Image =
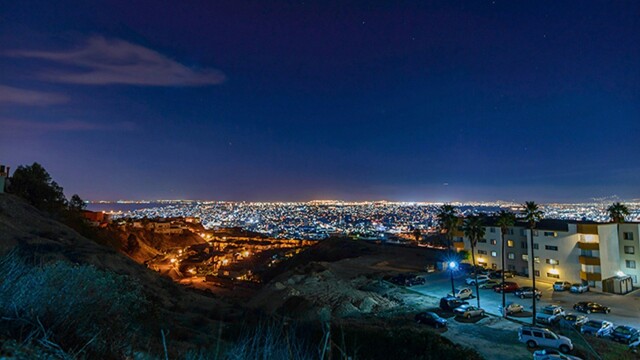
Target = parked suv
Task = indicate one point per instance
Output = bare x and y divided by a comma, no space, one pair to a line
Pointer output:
527,292
579,288
550,314
599,328
625,334
561,285
464,293
534,336
449,303
472,280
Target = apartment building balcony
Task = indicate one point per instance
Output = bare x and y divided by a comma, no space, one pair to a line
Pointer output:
590,276
589,260
588,245
588,229
458,245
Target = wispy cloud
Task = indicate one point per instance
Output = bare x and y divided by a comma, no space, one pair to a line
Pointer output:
66,125
104,61
13,95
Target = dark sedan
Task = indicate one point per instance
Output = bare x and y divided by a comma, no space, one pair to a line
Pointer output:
625,334
591,307
430,318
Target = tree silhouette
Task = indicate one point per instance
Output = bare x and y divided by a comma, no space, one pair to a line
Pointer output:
474,230
34,184
532,215
505,219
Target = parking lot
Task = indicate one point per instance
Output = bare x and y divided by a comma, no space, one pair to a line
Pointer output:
625,309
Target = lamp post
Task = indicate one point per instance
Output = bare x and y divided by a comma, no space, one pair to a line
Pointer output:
452,265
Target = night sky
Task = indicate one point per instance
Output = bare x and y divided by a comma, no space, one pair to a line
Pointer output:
285,100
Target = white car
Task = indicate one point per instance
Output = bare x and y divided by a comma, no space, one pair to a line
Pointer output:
468,311
514,308
534,336
464,293
481,279
550,314
548,354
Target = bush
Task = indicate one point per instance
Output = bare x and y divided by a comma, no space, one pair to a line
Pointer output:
77,308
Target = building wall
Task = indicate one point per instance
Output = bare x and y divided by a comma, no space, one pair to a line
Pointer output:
609,250
633,231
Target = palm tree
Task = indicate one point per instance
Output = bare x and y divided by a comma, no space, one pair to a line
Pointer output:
617,212
505,219
448,221
474,230
532,214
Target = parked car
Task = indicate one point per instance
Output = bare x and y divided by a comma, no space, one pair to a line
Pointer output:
571,320
449,303
579,288
535,336
514,308
464,293
408,280
472,281
561,285
550,314
489,284
468,311
430,318
591,307
508,286
415,280
625,334
549,354
599,328
527,292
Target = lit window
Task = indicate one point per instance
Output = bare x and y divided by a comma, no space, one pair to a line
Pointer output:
536,259
551,233
555,276
510,243
511,256
552,262
494,253
494,242
525,257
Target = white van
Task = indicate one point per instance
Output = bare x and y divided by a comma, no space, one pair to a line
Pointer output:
534,336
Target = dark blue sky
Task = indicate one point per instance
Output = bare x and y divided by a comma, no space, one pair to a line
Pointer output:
284,100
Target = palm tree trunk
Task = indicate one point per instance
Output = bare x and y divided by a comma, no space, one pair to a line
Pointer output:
533,279
475,272
504,313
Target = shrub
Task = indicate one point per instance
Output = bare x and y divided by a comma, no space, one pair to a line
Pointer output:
83,310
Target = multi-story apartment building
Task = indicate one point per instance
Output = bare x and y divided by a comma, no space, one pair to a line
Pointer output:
574,251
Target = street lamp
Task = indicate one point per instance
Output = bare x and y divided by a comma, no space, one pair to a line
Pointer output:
452,265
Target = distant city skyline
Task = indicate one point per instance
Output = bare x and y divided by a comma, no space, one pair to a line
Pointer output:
294,101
